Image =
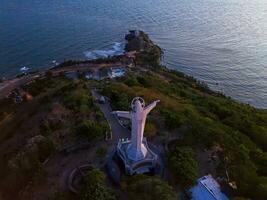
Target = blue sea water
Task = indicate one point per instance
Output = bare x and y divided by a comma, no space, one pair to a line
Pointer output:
221,42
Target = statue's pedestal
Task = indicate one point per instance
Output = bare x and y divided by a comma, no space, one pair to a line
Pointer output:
144,165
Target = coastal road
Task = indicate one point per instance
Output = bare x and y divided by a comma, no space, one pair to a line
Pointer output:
9,85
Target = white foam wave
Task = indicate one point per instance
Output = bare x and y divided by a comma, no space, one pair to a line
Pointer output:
24,69
116,49
55,62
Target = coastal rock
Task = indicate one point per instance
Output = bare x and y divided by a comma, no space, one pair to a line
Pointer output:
139,41
148,53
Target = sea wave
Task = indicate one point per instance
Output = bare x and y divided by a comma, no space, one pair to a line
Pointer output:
24,69
116,49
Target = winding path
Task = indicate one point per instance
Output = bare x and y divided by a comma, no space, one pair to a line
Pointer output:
117,130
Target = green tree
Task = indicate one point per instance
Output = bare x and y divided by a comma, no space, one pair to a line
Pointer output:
172,120
184,166
147,188
95,187
131,81
79,100
92,129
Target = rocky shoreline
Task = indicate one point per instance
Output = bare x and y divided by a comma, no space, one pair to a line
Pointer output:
138,43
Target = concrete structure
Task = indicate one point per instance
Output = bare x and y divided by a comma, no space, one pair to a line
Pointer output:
135,153
115,72
207,188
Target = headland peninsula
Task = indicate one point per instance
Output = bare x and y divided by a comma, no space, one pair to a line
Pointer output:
58,132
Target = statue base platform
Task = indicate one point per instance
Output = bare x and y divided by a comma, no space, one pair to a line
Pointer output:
145,165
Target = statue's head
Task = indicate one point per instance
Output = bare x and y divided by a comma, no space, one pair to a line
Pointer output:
138,104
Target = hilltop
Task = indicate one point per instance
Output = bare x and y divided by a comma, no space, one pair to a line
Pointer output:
60,124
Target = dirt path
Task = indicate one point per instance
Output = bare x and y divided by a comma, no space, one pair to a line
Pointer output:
60,166
57,171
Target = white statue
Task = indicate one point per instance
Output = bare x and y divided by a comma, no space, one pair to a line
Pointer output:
136,150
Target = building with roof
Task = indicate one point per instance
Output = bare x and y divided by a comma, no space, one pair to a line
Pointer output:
115,72
207,188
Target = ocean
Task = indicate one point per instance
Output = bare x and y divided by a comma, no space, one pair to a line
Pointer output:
220,42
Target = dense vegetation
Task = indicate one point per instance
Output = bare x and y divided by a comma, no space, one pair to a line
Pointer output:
146,187
61,113
95,187
184,166
204,119
69,63
92,129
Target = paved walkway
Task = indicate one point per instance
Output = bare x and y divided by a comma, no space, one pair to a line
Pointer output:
117,130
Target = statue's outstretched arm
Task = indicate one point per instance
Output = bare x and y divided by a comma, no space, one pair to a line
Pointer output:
148,108
124,114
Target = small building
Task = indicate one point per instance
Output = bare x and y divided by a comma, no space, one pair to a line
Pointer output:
72,75
116,72
207,188
89,76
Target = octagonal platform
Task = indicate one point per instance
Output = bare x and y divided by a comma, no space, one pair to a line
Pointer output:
144,165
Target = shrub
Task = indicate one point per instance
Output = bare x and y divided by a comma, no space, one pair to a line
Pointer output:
150,129
172,120
48,126
92,129
147,187
119,100
79,99
131,81
260,159
143,81
101,152
95,187
184,166
99,115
